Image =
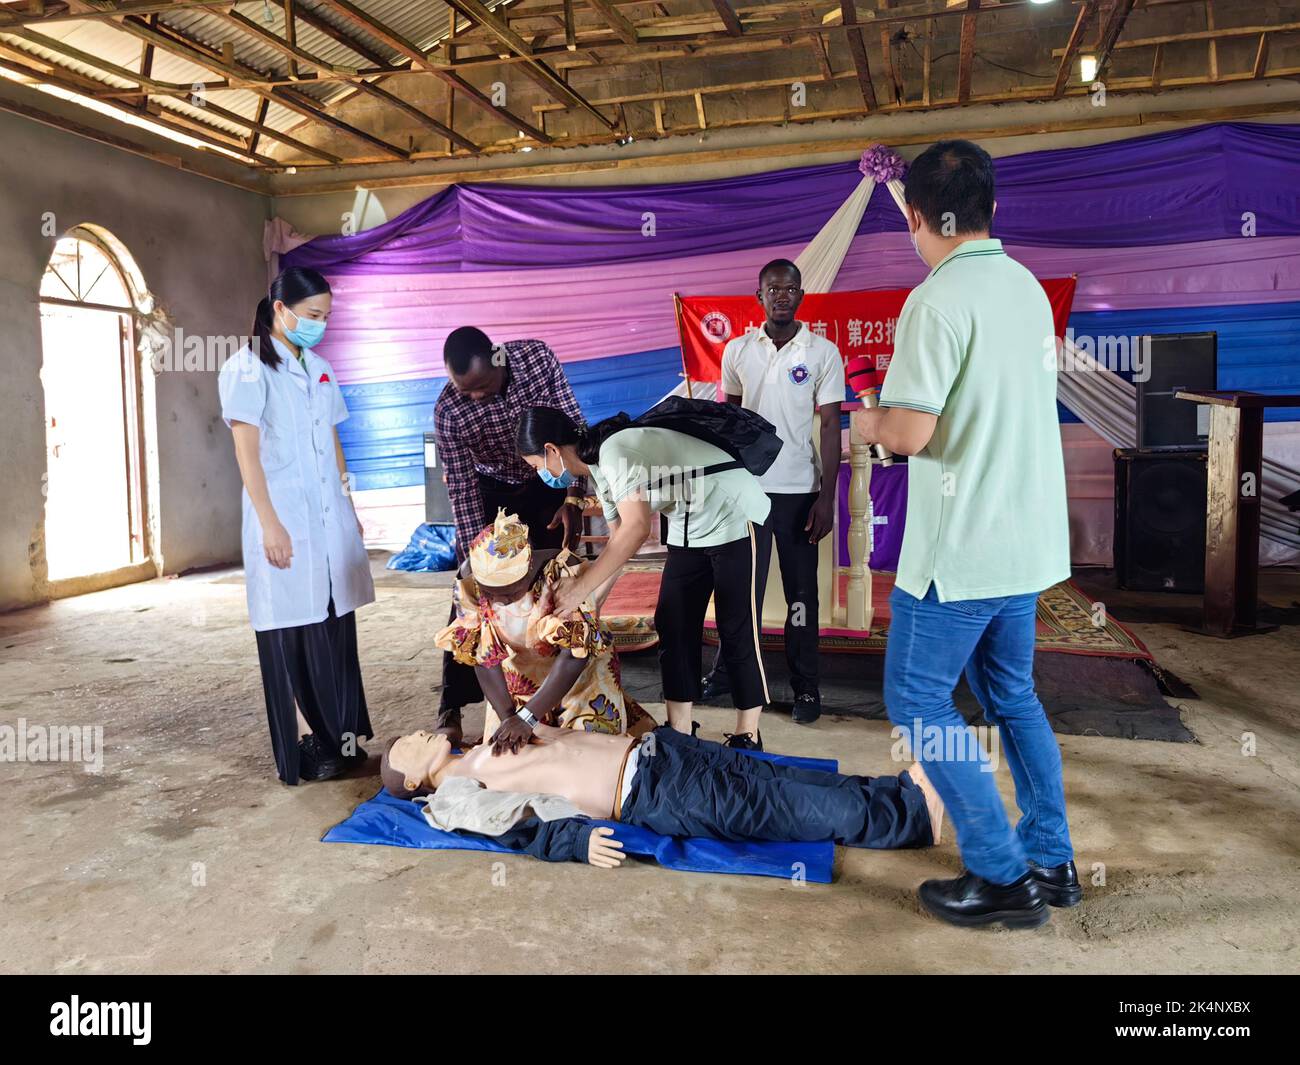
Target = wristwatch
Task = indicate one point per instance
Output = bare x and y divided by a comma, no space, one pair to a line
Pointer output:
527,717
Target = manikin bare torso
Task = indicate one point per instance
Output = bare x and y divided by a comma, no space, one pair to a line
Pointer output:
584,767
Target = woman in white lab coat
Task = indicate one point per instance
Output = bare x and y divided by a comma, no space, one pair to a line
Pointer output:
305,564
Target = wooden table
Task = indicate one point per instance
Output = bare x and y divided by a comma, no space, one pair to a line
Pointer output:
1233,508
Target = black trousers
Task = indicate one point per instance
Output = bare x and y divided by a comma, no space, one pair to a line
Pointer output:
691,576
797,559
316,668
686,786
536,505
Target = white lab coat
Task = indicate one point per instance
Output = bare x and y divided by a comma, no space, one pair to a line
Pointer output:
295,411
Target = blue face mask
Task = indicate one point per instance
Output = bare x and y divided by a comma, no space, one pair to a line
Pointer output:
308,333
564,480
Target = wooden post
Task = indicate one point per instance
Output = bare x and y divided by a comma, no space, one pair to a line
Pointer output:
858,593
1233,498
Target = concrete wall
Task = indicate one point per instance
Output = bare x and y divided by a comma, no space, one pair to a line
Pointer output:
198,244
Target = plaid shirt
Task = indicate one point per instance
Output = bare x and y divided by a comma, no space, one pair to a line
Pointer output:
478,436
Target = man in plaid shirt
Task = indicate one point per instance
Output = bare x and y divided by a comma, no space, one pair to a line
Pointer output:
488,389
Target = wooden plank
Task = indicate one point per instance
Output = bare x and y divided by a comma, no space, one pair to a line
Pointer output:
290,36
1158,66
699,111
925,60
858,49
1214,44
346,39
570,40
1261,57
966,51
624,30
1110,32
729,17
1081,23
409,109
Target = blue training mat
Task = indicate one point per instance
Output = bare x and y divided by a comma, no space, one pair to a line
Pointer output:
400,823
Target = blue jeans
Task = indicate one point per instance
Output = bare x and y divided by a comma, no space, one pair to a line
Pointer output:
930,644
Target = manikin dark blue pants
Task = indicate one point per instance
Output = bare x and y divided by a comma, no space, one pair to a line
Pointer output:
691,787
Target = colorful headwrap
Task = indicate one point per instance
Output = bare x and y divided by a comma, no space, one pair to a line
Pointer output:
501,554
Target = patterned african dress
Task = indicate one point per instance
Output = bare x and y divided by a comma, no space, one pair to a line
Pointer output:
524,637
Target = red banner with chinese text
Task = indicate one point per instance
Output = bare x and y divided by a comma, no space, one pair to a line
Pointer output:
858,323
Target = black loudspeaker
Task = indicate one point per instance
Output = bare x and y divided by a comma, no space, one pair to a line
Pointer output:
437,505
1160,520
1174,362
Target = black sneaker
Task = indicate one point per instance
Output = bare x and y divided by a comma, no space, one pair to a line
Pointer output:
316,761
743,741
970,901
1058,885
716,685
807,708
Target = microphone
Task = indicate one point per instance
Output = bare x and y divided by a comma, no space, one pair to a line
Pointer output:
861,374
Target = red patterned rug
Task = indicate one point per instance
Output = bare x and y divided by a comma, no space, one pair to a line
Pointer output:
1068,621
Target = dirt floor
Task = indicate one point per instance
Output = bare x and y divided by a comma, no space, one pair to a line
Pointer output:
184,854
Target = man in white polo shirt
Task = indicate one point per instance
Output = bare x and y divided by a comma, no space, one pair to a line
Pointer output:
969,397
786,372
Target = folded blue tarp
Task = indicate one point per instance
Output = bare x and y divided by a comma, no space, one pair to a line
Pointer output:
400,823
432,548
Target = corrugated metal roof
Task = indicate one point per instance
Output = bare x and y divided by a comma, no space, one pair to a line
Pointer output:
423,22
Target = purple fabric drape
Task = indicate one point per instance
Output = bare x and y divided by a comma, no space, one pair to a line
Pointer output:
1197,184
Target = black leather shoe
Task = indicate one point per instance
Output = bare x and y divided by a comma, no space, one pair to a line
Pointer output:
743,741
1058,885
715,686
807,709
316,761
970,901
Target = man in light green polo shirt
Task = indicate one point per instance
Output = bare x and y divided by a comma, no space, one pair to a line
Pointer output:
971,399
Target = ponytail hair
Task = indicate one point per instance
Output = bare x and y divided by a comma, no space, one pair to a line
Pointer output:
294,285
540,426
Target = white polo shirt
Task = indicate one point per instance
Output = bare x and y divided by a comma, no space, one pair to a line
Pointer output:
786,386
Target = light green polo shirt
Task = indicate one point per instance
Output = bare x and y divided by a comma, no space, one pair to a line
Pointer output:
710,510
986,513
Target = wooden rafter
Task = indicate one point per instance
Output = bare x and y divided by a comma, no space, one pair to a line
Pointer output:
858,49
1081,23
966,50
625,30
729,17
534,68
422,61
1110,31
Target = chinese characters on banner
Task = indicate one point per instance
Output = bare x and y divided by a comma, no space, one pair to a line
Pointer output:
858,323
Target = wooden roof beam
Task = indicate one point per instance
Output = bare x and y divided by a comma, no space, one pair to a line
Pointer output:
858,49
420,61
625,31
966,51
1081,24
729,17
534,68
1110,31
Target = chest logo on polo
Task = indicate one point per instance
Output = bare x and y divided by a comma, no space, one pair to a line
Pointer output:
798,374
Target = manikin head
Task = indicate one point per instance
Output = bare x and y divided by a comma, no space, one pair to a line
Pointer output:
412,765
475,366
948,198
